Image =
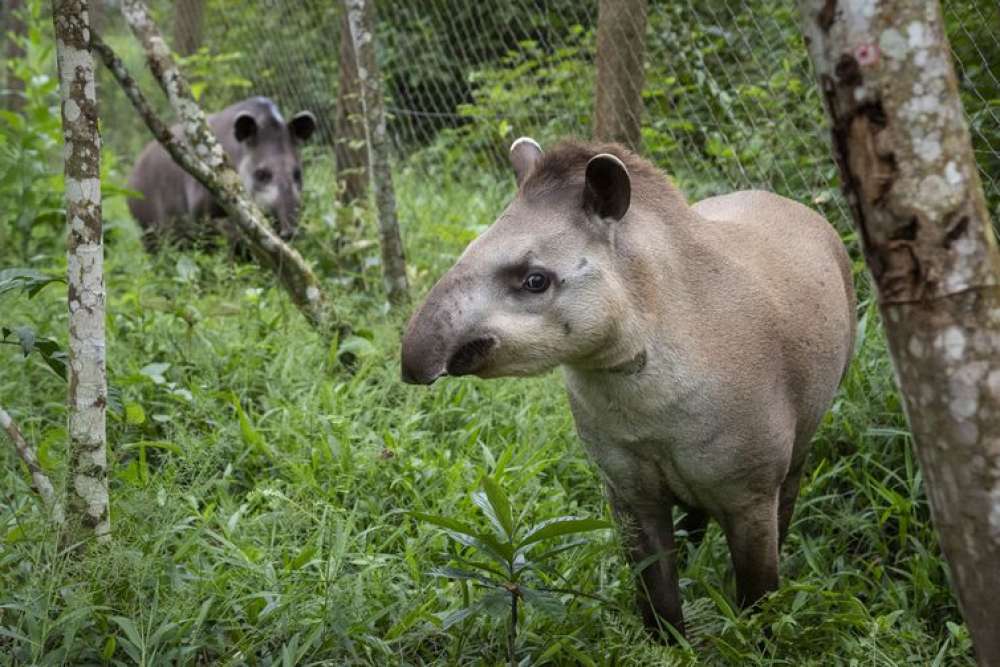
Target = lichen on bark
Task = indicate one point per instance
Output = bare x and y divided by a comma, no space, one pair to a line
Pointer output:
88,468
909,173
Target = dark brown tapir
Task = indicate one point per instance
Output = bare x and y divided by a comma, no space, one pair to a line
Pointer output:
263,148
701,345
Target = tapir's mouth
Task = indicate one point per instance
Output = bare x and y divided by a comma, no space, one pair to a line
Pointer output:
470,357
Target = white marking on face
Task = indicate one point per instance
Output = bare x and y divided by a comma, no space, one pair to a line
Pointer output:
267,197
275,114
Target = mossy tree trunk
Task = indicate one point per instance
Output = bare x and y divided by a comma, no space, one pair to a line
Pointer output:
349,127
909,173
361,20
621,36
88,387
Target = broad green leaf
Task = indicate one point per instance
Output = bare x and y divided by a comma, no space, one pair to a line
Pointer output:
460,615
448,523
561,526
110,644
497,603
486,545
455,573
166,445
134,414
155,372
29,280
501,505
26,335
545,602
408,621
56,359
480,500
128,626
539,561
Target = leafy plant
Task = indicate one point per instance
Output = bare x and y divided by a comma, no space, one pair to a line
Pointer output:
505,560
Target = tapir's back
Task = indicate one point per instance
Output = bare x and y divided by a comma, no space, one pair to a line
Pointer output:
796,267
785,244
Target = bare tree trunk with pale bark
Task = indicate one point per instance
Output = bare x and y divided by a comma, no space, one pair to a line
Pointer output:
909,174
348,125
361,19
621,37
88,387
202,156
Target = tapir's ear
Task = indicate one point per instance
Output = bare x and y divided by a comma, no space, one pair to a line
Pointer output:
302,125
244,127
524,154
607,190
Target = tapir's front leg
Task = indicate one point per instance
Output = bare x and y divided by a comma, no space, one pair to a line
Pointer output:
648,534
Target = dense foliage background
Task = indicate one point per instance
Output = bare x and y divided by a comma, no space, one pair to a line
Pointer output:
262,489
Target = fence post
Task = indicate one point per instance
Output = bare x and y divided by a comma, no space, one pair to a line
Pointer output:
13,24
348,125
188,20
361,17
621,37
909,174
88,385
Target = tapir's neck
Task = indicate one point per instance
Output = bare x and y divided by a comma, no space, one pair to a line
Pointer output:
651,253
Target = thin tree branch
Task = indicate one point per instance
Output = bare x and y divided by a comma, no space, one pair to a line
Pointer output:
40,481
202,157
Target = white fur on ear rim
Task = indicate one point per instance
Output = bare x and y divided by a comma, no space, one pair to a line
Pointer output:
607,187
524,153
521,140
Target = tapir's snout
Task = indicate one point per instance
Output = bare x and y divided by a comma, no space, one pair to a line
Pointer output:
444,337
425,344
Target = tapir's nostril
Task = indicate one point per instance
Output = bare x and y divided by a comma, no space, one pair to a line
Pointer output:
471,356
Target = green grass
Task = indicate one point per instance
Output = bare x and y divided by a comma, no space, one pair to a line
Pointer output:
261,494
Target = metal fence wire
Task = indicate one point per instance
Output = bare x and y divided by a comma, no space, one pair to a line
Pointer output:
728,97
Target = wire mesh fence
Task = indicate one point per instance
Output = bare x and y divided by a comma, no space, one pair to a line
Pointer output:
727,96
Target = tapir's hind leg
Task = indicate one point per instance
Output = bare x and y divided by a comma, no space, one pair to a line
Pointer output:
752,535
786,501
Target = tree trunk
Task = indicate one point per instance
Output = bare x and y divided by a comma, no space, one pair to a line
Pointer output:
349,127
203,157
88,389
621,37
361,17
13,98
909,174
188,21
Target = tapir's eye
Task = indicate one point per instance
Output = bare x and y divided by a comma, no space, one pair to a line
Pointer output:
536,282
262,176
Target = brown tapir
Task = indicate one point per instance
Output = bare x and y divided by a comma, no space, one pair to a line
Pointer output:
263,149
701,345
